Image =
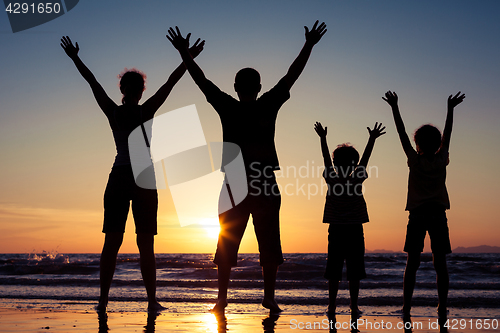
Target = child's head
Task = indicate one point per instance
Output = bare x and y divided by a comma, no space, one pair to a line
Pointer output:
132,84
428,139
247,82
345,158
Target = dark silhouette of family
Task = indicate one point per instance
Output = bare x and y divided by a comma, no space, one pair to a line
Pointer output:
249,122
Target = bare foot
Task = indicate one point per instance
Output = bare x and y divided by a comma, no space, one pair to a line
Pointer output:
405,312
155,307
330,311
442,315
219,307
101,307
356,312
271,305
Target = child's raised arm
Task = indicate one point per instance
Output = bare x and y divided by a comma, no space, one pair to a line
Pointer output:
392,99
452,102
155,101
377,131
324,145
105,103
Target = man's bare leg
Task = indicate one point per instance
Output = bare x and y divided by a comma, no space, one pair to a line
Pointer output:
223,274
269,273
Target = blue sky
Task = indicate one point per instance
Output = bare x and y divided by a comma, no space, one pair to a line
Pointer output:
57,148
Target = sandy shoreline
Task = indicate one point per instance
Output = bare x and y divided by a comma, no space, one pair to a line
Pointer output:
45,320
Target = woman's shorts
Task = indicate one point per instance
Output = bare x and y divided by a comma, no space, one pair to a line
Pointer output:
120,190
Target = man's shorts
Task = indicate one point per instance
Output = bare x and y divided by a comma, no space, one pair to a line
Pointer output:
264,205
120,190
430,220
346,242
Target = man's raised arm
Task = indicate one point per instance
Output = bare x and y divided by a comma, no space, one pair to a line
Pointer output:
296,68
182,45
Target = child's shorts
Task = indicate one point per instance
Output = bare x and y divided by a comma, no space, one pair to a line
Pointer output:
120,190
346,242
430,220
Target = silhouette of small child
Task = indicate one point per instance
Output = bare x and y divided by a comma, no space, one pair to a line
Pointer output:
427,199
345,211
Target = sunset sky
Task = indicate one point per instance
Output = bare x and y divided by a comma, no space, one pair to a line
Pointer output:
57,150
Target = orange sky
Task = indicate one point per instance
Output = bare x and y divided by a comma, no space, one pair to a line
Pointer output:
57,148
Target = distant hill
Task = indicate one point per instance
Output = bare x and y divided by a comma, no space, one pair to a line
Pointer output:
460,249
477,249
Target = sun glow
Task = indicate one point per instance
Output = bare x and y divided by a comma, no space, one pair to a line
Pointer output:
211,227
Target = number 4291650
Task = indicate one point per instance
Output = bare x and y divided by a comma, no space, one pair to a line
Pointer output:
41,8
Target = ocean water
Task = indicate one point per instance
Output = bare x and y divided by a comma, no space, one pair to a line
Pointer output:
188,282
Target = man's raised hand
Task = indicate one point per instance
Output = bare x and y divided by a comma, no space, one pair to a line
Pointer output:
316,32
175,37
68,47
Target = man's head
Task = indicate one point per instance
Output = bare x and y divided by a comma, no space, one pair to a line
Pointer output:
247,84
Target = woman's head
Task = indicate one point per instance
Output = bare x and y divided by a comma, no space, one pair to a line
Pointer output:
132,84
428,139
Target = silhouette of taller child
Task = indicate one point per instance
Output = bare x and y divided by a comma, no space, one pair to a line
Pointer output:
250,123
427,199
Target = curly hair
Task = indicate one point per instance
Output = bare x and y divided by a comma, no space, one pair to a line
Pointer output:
132,82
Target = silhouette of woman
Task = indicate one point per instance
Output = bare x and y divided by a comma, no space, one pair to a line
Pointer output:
121,187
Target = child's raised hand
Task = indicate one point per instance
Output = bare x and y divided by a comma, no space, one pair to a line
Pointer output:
455,100
68,47
377,130
320,130
391,98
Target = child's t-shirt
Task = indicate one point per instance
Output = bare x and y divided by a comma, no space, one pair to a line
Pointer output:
345,203
427,181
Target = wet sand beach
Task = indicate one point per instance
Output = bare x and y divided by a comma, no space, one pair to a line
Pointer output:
46,320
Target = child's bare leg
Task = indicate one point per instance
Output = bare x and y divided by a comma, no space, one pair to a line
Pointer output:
412,264
112,243
269,273
354,292
442,280
333,289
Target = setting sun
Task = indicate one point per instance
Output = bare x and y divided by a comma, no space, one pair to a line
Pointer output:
211,227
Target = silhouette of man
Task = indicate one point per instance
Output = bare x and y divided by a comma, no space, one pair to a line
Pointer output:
250,123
